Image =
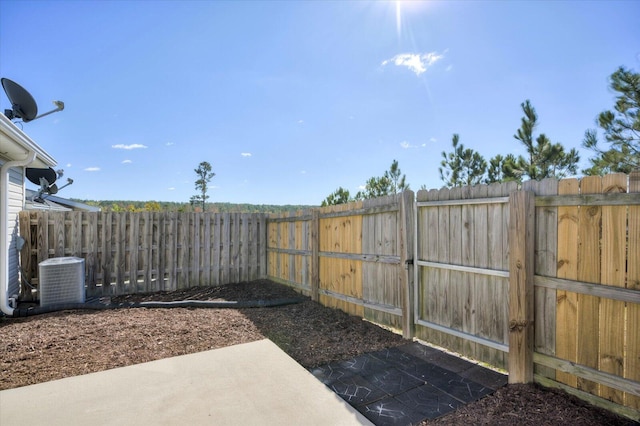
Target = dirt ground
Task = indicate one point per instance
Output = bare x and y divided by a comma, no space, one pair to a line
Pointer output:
68,343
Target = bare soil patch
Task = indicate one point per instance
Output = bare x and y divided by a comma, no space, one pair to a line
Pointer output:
69,343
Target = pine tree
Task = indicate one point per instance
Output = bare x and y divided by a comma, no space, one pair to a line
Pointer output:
621,128
202,184
461,167
545,158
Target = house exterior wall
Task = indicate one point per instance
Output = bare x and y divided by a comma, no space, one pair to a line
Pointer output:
16,200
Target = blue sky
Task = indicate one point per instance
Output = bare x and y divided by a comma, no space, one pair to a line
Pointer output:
290,100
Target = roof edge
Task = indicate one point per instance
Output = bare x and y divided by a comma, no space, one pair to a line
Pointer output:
20,138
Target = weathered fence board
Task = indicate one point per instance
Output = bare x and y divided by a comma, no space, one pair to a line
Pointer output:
632,363
545,264
566,314
589,271
613,252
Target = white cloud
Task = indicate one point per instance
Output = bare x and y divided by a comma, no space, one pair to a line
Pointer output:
449,68
171,188
245,154
407,145
303,172
92,169
300,121
169,144
131,146
416,62
68,165
127,161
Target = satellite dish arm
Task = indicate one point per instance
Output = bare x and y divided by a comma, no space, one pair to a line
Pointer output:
59,107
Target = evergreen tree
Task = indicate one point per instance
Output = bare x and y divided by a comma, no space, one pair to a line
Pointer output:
621,128
462,166
205,175
497,171
545,159
339,196
398,180
391,182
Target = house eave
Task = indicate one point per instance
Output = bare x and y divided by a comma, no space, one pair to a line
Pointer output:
16,145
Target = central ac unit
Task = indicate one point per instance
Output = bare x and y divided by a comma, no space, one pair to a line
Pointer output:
61,281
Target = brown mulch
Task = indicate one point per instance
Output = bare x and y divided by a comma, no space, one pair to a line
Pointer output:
68,343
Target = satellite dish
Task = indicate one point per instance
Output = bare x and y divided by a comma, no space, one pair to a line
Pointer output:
22,103
34,175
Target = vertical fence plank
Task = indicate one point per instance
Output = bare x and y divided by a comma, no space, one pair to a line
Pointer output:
315,252
521,270
632,338
225,252
184,220
119,255
107,254
160,236
545,264
443,298
147,250
567,301
482,284
497,236
75,234
589,271
468,280
172,252
407,260
134,251
58,235
456,278
196,249
91,259
217,244
612,312
206,249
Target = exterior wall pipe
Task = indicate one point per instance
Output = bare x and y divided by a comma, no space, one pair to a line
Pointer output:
4,220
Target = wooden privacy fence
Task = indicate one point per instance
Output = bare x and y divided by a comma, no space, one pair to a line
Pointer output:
144,252
542,280
352,256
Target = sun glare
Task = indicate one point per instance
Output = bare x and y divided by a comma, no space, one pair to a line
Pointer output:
406,7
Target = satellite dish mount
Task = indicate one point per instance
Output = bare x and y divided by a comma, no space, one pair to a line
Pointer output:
23,105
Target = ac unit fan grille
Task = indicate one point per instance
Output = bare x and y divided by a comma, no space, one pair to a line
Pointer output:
61,281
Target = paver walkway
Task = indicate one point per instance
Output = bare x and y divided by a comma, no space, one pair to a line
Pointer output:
407,384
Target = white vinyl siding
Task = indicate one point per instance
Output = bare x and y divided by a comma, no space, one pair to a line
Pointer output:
16,201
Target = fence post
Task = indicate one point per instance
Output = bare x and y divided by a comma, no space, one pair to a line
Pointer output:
521,295
315,252
407,230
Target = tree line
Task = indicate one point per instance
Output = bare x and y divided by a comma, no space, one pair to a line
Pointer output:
619,152
118,206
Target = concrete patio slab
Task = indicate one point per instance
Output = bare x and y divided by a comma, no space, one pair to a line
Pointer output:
252,383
